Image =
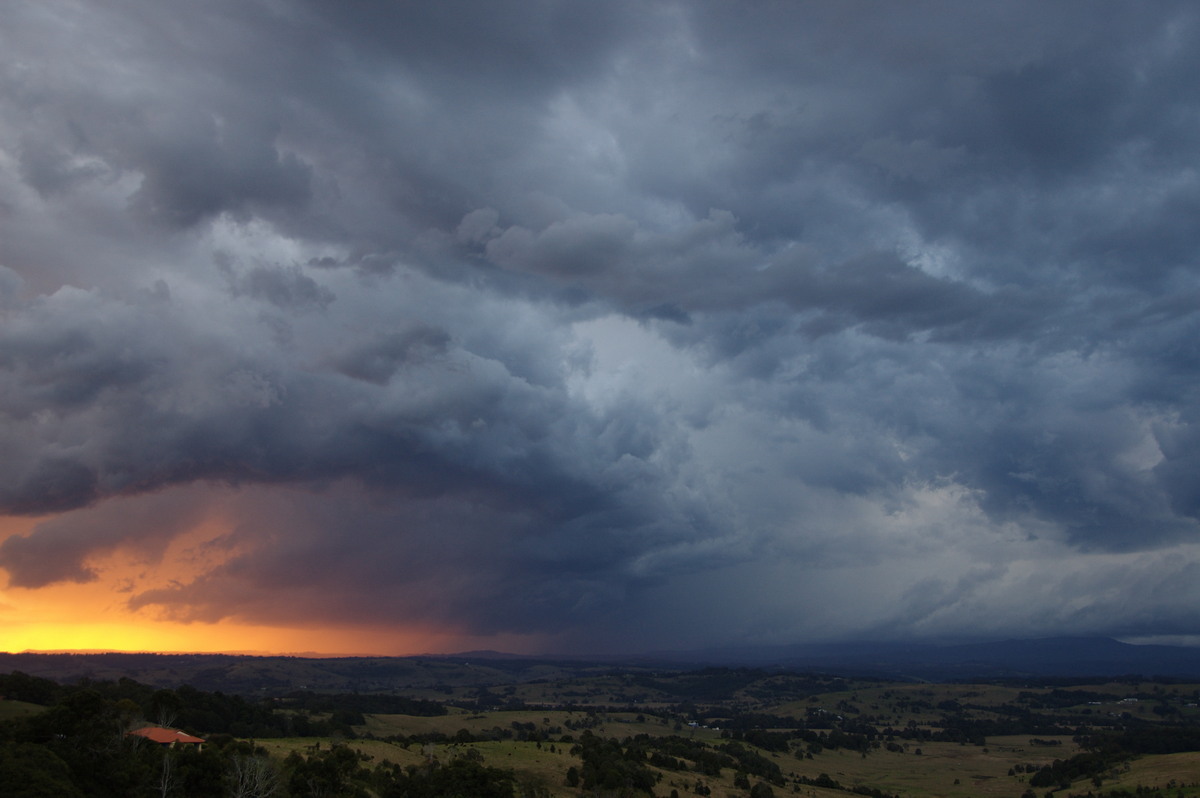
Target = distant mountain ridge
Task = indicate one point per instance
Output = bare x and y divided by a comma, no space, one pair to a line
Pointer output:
1052,656
1056,657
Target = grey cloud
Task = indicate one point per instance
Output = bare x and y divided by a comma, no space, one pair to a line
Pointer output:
378,360
11,285
612,299
486,566
421,418
437,558
282,287
917,160
47,167
580,245
1177,470
478,226
53,484
70,361
197,145
482,47
192,171
711,266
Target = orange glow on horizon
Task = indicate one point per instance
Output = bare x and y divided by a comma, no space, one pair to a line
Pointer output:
88,617
95,616
225,637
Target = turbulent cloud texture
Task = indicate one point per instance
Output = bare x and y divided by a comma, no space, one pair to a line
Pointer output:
615,325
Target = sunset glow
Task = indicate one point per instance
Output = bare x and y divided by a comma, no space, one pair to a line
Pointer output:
95,616
139,635
92,617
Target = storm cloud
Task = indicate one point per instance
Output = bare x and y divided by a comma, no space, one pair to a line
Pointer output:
614,325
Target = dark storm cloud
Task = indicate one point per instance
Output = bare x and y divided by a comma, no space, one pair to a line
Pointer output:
407,413
282,287
569,307
711,266
61,548
438,560
483,47
195,172
199,145
377,361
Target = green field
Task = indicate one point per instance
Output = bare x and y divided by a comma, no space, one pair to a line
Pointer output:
715,732
1002,766
948,770
16,709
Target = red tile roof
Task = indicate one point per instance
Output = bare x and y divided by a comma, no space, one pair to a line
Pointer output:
158,734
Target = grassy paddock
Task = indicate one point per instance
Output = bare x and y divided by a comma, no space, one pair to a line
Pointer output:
981,771
18,709
1160,771
616,724
942,769
378,750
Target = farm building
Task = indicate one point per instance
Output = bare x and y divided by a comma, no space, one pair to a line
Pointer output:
167,737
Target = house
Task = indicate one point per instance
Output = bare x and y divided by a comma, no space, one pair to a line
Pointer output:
168,738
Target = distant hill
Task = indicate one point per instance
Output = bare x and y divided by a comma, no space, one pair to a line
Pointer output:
431,676
1046,657
438,676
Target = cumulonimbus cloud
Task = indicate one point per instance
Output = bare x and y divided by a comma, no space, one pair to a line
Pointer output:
578,308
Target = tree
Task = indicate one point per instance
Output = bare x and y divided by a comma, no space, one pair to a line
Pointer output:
33,771
199,774
252,777
165,783
762,790
327,773
459,779
164,707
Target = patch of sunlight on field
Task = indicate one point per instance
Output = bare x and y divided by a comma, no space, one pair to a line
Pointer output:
1159,771
378,750
523,757
979,771
545,722
1022,750
18,709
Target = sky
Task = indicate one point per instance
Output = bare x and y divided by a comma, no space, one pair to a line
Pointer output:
564,327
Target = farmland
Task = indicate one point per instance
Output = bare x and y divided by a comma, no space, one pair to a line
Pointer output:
545,730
